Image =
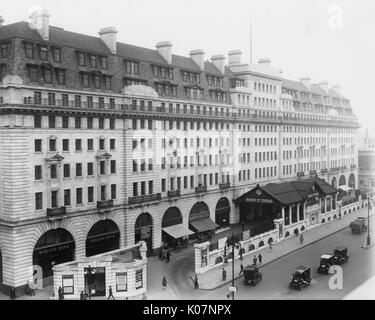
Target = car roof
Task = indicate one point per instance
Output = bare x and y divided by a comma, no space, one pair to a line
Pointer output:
301,269
340,248
326,256
249,267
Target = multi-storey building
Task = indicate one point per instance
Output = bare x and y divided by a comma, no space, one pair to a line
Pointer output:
104,144
366,164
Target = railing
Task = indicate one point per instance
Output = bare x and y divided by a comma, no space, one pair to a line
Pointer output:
53,212
147,198
300,174
324,171
343,168
201,189
223,186
104,204
175,193
353,166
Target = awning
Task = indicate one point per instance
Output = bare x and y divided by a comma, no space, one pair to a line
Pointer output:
345,188
204,224
178,231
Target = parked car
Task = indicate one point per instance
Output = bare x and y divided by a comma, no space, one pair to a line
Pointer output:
252,275
340,255
300,278
326,261
358,226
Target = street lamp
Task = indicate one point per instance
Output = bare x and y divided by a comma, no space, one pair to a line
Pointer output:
90,272
368,220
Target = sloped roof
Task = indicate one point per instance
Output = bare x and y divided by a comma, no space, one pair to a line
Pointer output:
294,85
283,192
317,90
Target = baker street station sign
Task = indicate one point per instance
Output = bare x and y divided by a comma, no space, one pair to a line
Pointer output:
258,198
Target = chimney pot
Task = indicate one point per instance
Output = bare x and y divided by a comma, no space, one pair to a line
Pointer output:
165,50
234,57
219,62
264,61
39,20
198,57
108,36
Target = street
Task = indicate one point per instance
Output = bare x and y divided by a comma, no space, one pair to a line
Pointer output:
277,275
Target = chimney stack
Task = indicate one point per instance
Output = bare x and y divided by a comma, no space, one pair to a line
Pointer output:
264,61
219,62
1,21
234,57
39,20
323,85
198,57
306,81
337,88
108,36
165,50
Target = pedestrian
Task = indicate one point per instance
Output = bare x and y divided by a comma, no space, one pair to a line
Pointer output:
260,258
82,296
241,253
301,239
255,260
196,284
144,297
12,294
161,253
110,293
224,274
164,282
61,293
270,245
241,268
168,255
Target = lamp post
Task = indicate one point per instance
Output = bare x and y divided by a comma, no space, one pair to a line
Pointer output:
232,265
368,220
89,278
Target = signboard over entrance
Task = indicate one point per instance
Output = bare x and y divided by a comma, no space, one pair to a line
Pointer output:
256,200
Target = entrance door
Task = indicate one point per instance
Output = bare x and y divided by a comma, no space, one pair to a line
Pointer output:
143,231
95,282
222,212
104,236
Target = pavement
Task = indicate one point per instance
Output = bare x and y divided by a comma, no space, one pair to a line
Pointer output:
179,271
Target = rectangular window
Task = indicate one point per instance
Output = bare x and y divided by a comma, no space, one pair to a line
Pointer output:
65,100
135,189
33,74
113,192
121,282
52,145
56,54
103,193
90,144
53,171
47,75
101,144
51,99
51,122
101,123
112,124
102,167
77,100
78,169
78,144
29,50
66,170
85,80
150,187
113,166
38,172
38,145
67,197
77,122
143,188
38,200
4,50
90,194
90,169
112,144
79,196
104,62
37,121
89,123
65,144
54,199
108,82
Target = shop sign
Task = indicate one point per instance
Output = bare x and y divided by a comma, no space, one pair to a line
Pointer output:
256,200
56,248
204,258
103,237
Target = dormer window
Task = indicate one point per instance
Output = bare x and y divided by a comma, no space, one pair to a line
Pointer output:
81,59
214,81
43,53
93,61
104,62
162,72
47,75
131,67
191,77
4,50
56,52
29,50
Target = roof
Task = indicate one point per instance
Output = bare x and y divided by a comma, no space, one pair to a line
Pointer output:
288,193
62,37
294,85
178,231
301,269
326,256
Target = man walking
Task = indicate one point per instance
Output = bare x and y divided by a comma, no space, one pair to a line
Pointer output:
110,293
167,256
270,245
224,275
196,285
60,293
241,268
260,258
255,260
301,239
164,282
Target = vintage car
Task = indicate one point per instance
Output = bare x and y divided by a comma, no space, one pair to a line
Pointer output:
300,278
358,226
326,261
340,255
252,275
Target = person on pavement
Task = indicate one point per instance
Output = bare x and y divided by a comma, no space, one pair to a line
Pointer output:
224,275
110,293
167,256
196,284
301,239
241,268
164,282
260,258
61,294
255,260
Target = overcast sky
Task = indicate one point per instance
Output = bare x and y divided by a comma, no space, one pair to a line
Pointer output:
331,40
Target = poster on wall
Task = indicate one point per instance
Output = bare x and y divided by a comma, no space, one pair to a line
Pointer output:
204,258
246,235
222,242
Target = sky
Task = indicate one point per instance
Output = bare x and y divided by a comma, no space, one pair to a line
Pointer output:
327,40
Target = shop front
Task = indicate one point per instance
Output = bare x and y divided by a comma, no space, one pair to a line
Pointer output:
222,212
175,234
124,270
54,247
143,231
199,220
104,236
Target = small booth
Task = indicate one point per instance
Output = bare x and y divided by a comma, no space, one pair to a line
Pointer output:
123,269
